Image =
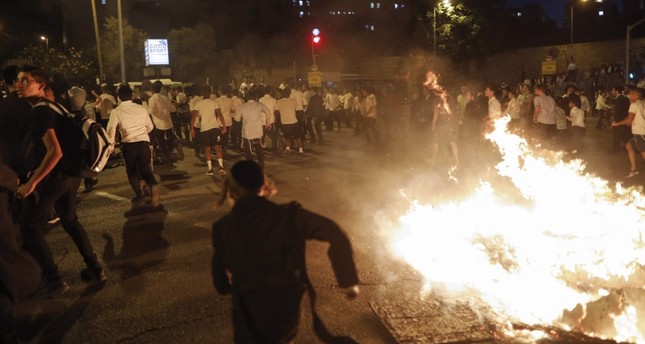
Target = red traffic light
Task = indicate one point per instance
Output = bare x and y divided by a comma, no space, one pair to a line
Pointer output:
316,39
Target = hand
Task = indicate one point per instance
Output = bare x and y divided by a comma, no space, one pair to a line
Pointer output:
352,292
613,124
192,132
25,190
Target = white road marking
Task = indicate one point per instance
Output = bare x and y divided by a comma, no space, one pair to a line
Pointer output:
110,196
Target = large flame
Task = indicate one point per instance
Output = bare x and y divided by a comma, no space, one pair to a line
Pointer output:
575,240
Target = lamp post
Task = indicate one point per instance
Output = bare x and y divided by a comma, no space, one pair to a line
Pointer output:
434,25
43,38
571,18
627,37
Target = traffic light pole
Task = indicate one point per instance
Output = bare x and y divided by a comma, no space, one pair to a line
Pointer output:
313,54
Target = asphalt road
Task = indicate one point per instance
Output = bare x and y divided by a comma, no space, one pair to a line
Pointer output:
158,261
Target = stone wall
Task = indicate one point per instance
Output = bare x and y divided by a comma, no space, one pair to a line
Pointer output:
508,66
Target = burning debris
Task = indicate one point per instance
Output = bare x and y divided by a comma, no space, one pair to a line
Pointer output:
567,267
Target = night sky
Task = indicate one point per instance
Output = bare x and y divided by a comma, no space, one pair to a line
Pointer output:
553,8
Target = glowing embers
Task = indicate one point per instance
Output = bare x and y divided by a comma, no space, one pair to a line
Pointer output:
570,256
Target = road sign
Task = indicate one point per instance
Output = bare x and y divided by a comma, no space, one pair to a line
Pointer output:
314,79
548,67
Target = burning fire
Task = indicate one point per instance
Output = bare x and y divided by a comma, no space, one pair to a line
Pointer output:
570,256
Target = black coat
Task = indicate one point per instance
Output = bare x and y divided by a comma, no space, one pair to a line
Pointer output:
19,272
261,245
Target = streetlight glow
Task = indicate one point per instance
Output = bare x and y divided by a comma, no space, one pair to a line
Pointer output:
43,38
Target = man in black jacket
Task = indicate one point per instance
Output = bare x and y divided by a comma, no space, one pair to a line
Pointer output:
260,257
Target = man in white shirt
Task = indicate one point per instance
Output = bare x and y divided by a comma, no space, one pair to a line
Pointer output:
635,117
348,103
254,117
370,114
236,128
494,106
334,107
212,129
544,114
271,129
286,107
160,108
225,103
577,119
194,125
134,125
183,114
298,95
104,104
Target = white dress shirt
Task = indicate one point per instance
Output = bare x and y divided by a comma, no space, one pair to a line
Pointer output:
225,104
300,99
133,123
253,116
268,101
160,109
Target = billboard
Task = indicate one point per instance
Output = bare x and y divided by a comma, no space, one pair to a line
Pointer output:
157,52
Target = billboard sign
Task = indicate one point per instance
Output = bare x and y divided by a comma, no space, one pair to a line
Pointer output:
157,52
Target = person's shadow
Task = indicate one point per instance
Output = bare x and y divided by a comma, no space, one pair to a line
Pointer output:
143,247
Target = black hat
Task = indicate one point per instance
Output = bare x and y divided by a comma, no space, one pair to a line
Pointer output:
248,174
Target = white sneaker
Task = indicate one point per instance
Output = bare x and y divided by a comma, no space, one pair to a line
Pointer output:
209,173
300,150
632,174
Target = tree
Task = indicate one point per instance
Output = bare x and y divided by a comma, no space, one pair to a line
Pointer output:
192,52
461,31
134,50
73,64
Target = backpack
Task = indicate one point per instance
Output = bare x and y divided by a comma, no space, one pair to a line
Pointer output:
96,147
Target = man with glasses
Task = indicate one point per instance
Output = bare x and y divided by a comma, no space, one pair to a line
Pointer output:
55,165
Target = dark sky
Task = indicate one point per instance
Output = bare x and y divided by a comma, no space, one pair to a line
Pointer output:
553,8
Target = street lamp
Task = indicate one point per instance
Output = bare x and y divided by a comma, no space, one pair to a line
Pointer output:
446,3
43,38
571,18
629,31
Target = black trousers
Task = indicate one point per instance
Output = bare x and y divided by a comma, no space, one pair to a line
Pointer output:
58,192
300,116
318,126
138,164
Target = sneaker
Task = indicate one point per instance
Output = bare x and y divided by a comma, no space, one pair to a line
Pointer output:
222,171
632,174
95,274
209,173
300,150
180,152
155,200
54,220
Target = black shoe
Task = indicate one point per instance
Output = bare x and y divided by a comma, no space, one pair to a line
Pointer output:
94,274
90,183
54,289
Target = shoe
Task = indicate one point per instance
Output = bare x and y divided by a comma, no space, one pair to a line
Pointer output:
90,183
632,174
222,172
138,202
209,173
180,152
300,150
287,150
155,200
51,289
96,274
54,220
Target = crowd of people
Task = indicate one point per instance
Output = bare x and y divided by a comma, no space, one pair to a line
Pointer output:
154,123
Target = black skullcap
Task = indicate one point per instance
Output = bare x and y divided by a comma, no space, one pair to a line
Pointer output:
248,174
